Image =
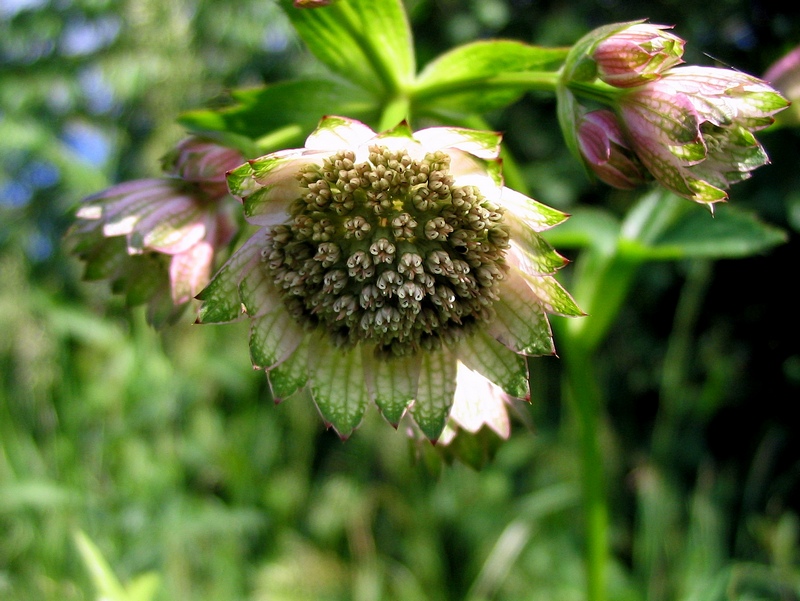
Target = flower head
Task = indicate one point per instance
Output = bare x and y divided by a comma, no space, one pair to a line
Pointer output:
637,54
156,238
381,262
606,150
693,128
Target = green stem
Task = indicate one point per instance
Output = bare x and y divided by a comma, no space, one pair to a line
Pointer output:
586,402
522,81
395,110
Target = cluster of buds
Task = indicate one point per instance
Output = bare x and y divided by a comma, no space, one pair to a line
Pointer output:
156,239
690,128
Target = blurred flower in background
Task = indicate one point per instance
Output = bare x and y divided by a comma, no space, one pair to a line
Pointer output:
156,239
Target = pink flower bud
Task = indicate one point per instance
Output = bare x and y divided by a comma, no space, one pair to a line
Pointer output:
606,151
637,54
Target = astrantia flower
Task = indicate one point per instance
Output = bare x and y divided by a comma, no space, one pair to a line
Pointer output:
637,54
380,263
693,128
606,151
155,239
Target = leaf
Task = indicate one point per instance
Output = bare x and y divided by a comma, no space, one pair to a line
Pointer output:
291,375
730,233
587,226
520,322
221,298
663,226
292,107
105,581
392,384
366,42
453,80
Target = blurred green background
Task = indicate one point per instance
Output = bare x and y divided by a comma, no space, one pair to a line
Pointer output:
168,453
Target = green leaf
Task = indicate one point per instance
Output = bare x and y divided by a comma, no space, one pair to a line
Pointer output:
144,587
520,322
274,336
472,78
663,226
290,376
568,113
221,298
105,581
291,109
587,226
730,233
366,42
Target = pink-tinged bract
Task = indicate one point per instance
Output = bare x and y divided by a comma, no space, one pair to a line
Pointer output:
693,128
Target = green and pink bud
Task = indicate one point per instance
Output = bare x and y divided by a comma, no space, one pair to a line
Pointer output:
607,152
693,128
637,54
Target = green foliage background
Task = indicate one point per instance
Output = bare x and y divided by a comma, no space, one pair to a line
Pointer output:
167,451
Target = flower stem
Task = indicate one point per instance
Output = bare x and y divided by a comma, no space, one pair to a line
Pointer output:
545,81
394,111
585,399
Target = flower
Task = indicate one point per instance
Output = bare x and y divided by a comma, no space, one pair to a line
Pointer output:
606,151
381,262
693,128
156,238
636,54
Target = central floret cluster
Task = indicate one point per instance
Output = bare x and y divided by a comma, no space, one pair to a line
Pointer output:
388,251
